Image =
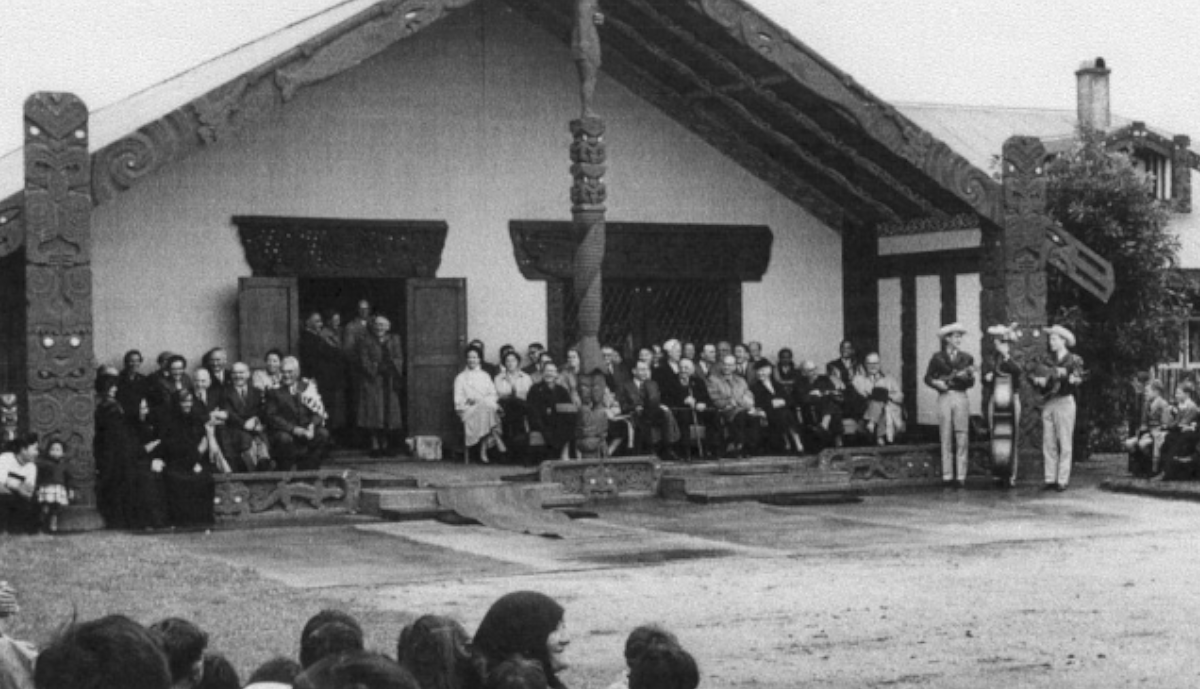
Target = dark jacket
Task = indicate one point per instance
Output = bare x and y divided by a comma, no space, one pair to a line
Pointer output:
285,412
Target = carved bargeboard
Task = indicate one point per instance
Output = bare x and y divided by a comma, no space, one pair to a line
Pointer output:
899,462
58,286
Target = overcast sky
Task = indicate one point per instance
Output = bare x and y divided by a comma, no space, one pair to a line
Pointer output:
978,52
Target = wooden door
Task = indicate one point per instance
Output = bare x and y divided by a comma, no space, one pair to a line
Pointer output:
437,336
268,317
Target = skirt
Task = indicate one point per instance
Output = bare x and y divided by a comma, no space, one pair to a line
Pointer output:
53,494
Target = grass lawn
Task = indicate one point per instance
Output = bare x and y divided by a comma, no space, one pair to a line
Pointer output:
248,618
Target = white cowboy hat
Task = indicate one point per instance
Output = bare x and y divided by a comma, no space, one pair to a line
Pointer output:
1062,332
1003,332
951,328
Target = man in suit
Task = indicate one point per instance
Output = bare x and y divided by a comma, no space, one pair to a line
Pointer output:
535,360
708,364
243,406
735,403
666,374
742,364
691,404
615,372
217,363
297,433
641,400
816,398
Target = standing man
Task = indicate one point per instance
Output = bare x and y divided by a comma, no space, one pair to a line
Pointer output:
952,372
357,328
217,363
741,356
707,365
1058,377
535,358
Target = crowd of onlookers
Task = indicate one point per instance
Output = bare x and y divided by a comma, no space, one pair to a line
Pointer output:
678,400
521,643
1163,434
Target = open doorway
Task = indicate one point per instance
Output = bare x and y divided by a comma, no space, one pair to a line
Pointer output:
387,297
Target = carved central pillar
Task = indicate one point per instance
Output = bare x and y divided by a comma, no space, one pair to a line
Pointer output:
1020,259
58,289
588,192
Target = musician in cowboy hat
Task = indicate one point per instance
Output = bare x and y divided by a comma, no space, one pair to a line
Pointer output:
952,372
1058,378
996,368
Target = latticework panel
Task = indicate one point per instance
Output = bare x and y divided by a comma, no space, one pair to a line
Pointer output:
637,314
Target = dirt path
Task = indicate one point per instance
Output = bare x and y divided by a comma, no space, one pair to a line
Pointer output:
1086,589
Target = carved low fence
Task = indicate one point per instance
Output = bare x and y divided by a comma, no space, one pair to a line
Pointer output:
604,478
900,463
296,493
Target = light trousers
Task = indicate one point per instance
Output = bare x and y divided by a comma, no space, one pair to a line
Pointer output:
1058,430
954,414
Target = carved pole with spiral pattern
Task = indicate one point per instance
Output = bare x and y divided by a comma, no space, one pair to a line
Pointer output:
588,192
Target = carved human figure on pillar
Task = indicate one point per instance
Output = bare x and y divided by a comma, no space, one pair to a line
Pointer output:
585,47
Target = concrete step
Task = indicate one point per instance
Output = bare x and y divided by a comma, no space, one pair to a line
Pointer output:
422,503
374,479
711,487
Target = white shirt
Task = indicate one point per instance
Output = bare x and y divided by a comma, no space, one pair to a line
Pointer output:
9,466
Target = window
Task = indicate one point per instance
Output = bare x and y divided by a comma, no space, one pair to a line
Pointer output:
1158,167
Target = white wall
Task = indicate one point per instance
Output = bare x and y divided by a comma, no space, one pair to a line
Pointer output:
466,122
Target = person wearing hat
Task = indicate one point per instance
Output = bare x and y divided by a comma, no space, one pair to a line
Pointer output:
1058,378
951,372
999,365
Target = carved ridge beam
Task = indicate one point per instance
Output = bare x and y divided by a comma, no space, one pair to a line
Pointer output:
259,92
761,88
715,133
874,116
818,166
951,223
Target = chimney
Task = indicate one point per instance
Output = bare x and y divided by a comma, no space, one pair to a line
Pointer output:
1093,95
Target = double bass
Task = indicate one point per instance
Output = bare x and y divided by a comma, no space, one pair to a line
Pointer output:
1004,426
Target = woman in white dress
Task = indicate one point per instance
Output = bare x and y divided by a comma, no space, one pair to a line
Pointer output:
475,400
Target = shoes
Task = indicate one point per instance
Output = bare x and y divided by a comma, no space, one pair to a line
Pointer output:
1060,487
1050,486
960,484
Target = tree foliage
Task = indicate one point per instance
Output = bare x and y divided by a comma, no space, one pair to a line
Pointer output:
1101,198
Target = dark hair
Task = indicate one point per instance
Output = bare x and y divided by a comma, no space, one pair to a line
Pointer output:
56,441
274,351
328,314
664,667
112,651
476,343
519,623
356,670
473,348
644,638
163,356
206,360
437,651
508,353
315,642
23,441
105,382
184,644
788,350
125,359
219,673
278,669
176,357
517,673
763,363
536,345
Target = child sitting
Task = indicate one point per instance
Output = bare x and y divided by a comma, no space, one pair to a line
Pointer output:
52,493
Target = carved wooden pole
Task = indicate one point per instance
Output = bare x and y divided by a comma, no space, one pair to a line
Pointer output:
588,192
58,289
1023,261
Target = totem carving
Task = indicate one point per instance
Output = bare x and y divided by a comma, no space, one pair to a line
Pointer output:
1025,254
588,192
58,288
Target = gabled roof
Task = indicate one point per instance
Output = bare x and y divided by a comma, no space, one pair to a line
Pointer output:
718,67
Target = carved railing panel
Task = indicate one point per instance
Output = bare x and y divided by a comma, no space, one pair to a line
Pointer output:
600,478
239,496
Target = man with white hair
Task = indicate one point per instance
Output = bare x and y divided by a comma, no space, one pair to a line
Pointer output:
297,433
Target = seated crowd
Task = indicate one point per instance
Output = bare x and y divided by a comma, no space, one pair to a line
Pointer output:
678,399
520,644
1164,437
